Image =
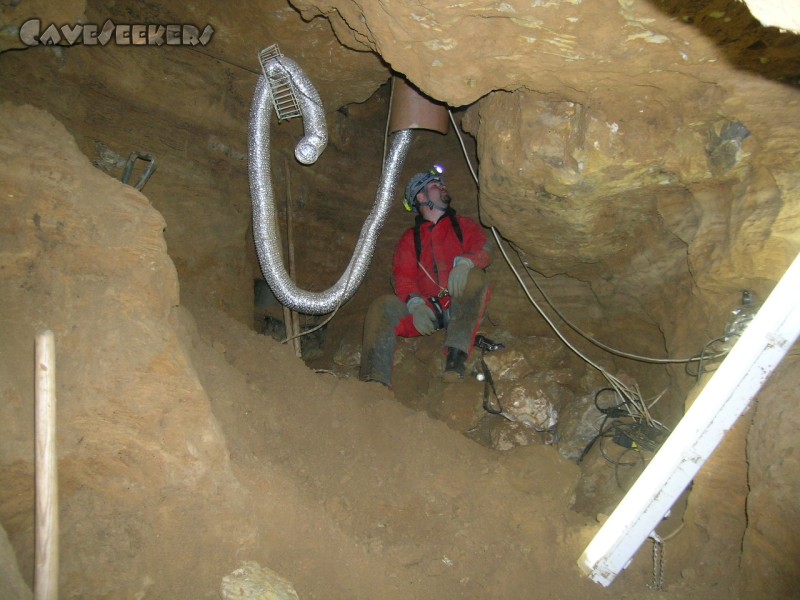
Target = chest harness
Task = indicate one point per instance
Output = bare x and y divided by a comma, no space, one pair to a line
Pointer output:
442,314
449,212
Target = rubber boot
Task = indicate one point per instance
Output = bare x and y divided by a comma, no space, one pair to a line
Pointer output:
379,341
454,366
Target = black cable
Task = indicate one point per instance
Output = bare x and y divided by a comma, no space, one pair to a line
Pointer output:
488,382
623,423
619,464
593,440
612,411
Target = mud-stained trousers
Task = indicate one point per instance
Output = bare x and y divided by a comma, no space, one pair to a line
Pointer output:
388,318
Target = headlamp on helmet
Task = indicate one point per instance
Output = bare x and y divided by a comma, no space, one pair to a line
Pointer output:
417,183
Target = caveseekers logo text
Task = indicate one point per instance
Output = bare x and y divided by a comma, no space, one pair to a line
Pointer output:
31,34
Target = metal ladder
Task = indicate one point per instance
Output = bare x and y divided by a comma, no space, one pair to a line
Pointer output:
282,90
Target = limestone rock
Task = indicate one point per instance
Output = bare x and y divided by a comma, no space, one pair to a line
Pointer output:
506,435
641,156
340,75
348,354
508,365
579,423
84,256
529,405
251,581
465,52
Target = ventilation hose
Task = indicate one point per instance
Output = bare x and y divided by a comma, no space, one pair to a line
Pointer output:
265,221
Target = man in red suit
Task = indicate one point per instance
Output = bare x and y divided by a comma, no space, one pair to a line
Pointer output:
439,283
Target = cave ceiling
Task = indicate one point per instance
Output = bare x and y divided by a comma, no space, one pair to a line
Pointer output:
606,52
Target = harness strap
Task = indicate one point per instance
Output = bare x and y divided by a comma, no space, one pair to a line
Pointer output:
418,234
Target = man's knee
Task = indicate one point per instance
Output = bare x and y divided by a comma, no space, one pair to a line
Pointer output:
466,311
383,315
385,310
477,283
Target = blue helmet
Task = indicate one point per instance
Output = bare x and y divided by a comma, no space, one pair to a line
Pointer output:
417,183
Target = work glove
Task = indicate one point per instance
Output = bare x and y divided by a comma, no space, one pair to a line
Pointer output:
424,319
458,276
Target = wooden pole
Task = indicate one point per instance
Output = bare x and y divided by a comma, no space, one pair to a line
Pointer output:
45,582
294,317
287,322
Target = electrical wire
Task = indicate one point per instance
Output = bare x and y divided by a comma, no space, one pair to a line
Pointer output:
702,365
463,148
626,427
629,394
599,344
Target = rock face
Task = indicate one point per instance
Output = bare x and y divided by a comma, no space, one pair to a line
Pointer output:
15,15
251,581
107,293
459,54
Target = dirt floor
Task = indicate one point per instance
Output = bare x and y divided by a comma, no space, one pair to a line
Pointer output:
423,511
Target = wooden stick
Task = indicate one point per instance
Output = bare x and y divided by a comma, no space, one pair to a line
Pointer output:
287,323
45,582
294,317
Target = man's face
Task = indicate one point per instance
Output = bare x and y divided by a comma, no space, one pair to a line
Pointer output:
436,192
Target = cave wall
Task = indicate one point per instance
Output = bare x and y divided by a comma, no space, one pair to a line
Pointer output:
84,256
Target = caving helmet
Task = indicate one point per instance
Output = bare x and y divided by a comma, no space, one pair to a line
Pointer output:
417,183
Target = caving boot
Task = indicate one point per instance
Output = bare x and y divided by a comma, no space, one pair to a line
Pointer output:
378,343
455,365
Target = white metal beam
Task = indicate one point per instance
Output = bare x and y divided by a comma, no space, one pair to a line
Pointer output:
768,337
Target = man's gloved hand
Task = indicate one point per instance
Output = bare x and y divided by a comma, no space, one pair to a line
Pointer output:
458,276
424,319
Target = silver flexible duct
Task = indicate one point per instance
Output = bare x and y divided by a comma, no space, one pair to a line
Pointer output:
265,221
308,149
